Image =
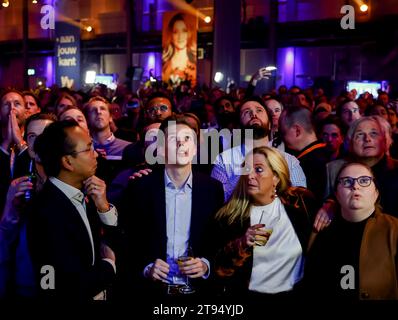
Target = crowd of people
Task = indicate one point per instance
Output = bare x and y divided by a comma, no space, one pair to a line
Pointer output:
102,193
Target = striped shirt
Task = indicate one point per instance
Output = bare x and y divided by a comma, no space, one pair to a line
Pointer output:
227,169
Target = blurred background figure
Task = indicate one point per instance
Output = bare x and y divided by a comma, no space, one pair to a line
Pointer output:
32,103
179,50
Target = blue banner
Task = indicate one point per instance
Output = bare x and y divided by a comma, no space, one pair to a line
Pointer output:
67,55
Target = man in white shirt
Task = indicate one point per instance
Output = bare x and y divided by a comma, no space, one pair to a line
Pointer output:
227,166
68,217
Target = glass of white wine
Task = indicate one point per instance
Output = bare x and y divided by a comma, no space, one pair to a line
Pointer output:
262,240
187,288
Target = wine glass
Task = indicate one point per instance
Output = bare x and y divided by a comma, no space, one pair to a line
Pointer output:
269,228
188,255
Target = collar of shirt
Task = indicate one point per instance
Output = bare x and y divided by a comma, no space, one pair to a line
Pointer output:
71,192
170,184
107,141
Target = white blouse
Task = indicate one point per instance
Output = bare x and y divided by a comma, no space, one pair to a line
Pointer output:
278,265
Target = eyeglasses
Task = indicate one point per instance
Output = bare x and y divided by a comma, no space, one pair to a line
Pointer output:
162,108
91,149
349,182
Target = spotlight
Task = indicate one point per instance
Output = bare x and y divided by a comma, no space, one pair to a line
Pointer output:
218,77
90,77
364,8
5,3
89,28
207,19
34,1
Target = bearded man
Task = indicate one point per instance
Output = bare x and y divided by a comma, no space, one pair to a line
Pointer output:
254,116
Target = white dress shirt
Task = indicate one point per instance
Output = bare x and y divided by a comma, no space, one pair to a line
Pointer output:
178,226
78,200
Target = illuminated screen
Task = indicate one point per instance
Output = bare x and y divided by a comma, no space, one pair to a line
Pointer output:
106,79
362,87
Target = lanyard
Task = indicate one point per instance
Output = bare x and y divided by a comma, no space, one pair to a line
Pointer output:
315,146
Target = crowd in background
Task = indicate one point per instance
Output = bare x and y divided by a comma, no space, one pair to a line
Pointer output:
318,193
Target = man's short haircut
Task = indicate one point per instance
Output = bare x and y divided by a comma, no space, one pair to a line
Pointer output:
217,103
339,107
53,144
385,130
298,115
86,107
159,94
67,109
7,91
178,119
196,119
260,101
65,96
330,119
252,98
40,116
31,94
272,97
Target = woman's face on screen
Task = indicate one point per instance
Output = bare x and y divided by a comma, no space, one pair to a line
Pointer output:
180,35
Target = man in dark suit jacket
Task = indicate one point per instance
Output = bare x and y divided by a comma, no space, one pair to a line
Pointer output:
299,136
64,227
170,212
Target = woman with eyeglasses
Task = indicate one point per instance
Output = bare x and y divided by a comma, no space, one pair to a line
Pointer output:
369,141
355,258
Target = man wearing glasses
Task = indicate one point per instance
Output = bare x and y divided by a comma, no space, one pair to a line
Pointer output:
68,215
158,108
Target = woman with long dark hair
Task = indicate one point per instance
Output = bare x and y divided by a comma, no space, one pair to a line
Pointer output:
179,51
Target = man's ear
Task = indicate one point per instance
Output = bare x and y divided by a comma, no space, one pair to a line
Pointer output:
297,130
67,163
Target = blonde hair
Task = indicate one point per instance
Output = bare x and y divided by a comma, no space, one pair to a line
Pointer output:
237,209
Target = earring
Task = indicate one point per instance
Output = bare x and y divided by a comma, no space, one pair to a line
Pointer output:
274,195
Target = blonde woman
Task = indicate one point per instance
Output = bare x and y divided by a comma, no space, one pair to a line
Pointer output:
264,230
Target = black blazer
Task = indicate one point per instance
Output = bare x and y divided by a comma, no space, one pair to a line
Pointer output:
143,218
58,237
21,168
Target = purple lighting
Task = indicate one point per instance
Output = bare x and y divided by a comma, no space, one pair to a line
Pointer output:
290,57
49,71
152,62
286,56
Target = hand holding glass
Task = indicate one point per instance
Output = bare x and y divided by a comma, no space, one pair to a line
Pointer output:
262,239
187,288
